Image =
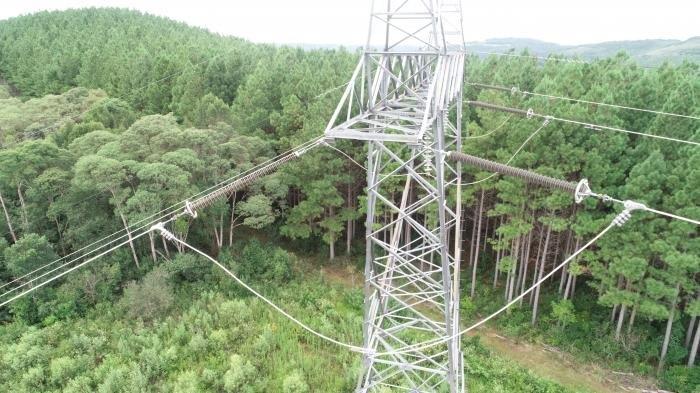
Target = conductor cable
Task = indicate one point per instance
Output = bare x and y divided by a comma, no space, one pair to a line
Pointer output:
171,237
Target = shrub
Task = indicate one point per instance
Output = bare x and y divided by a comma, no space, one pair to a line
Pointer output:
188,267
295,383
149,298
239,375
681,379
264,262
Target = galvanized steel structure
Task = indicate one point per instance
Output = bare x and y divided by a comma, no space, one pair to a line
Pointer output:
405,99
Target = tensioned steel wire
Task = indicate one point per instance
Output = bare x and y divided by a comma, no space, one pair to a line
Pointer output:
442,340
174,211
595,127
512,157
270,303
516,90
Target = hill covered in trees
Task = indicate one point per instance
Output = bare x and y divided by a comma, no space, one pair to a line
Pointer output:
645,52
109,115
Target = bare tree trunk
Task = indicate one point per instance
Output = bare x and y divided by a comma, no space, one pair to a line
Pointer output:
486,233
515,249
478,239
539,276
571,278
689,332
331,237
152,242
7,219
621,317
667,336
537,263
691,325
231,220
165,247
498,257
23,207
694,348
131,240
348,224
630,324
473,239
565,272
526,262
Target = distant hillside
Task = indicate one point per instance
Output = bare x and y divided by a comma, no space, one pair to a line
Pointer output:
646,52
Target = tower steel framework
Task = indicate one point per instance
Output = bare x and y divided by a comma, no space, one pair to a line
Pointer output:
405,99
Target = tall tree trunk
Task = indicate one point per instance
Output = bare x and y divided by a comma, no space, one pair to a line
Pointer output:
23,207
498,256
630,324
486,233
514,270
348,224
473,238
621,317
667,336
131,240
331,237
7,219
689,331
232,220
539,276
564,272
526,262
691,326
694,348
537,263
478,239
165,246
152,242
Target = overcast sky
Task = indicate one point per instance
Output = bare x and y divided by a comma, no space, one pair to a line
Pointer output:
345,21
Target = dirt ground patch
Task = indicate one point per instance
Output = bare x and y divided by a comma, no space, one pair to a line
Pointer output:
545,361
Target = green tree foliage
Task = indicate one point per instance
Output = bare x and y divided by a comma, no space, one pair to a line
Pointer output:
113,115
30,252
149,298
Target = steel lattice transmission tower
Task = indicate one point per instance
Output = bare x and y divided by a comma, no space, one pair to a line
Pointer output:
405,100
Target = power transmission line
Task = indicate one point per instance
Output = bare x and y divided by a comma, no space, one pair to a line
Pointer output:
515,89
619,220
510,116
544,124
596,127
169,236
205,199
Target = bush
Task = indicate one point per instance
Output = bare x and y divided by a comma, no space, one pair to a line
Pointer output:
264,262
149,298
295,383
239,376
188,267
681,379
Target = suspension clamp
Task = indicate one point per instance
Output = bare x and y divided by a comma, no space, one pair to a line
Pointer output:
626,214
530,113
163,232
514,90
547,120
189,210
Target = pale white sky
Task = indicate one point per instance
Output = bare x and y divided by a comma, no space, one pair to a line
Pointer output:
345,21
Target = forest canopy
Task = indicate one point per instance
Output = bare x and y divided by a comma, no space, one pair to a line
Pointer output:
109,115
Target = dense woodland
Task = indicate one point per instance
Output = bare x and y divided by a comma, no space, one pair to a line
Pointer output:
107,116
